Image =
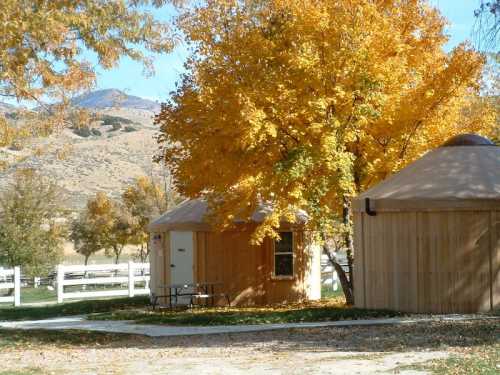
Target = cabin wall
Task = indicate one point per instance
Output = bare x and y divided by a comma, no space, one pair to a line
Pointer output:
312,277
246,271
439,262
495,259
159,259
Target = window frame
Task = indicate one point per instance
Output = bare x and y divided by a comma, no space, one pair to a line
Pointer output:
292,253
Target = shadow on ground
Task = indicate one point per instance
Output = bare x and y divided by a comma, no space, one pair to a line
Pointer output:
398,338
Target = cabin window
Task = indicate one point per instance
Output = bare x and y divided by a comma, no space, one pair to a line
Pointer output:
283,255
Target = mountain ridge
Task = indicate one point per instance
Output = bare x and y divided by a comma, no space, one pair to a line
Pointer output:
6,107
114,98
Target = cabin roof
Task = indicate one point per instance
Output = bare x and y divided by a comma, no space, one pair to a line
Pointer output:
452,173
191,215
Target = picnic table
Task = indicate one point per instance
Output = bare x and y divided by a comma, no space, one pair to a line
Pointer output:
194,291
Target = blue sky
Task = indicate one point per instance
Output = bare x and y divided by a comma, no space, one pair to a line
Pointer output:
129,78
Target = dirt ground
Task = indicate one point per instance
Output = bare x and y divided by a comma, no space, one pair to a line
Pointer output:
362,350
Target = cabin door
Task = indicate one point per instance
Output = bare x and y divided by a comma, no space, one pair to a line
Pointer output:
181,257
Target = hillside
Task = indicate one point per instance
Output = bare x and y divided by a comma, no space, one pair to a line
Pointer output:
106,160
5,107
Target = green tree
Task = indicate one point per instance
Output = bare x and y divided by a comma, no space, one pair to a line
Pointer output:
85,236
32,224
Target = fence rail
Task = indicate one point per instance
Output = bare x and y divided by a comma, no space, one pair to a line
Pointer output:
93,275
329,276
13,286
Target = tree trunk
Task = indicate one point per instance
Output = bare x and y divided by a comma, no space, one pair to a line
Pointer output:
148,249
117,254
345,282
346,219
85,262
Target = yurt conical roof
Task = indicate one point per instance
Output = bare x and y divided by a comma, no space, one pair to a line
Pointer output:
464,173
191,215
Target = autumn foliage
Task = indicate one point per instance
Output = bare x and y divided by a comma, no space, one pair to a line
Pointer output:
306,103
43,42
111,224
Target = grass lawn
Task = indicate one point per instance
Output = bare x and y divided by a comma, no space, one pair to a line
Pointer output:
325,310
41,294
327,292
330,308
30,371
475,349
70,308
484,360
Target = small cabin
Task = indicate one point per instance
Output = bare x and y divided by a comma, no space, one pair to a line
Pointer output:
186,250
427,239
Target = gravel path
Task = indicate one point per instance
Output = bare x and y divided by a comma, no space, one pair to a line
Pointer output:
250,361
311,351
385,349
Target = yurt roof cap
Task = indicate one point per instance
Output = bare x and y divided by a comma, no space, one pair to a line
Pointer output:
191,215
467,140
453,176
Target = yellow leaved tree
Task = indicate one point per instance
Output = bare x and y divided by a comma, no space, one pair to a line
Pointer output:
50,50
306,103
145,200
45,44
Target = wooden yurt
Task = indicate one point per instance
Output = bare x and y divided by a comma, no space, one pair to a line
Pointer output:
427,239
185,250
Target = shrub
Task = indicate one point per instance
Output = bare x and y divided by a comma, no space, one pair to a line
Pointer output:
17,145
12,115
111,120
129,129
116,127
82,132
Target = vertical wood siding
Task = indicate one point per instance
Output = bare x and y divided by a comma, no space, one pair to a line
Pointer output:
495,260
245,271
438,262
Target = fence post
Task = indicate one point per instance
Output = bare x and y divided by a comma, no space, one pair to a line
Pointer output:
335,281
131,278
17,286
60,283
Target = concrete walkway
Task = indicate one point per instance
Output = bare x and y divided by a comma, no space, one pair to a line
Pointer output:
79,322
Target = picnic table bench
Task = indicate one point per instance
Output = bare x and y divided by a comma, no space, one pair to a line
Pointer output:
193,291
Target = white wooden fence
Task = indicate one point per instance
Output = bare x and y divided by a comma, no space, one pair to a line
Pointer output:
329,276
103,274
11,279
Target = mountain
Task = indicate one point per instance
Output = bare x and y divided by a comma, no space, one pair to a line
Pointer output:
5,107
110,98
107,159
